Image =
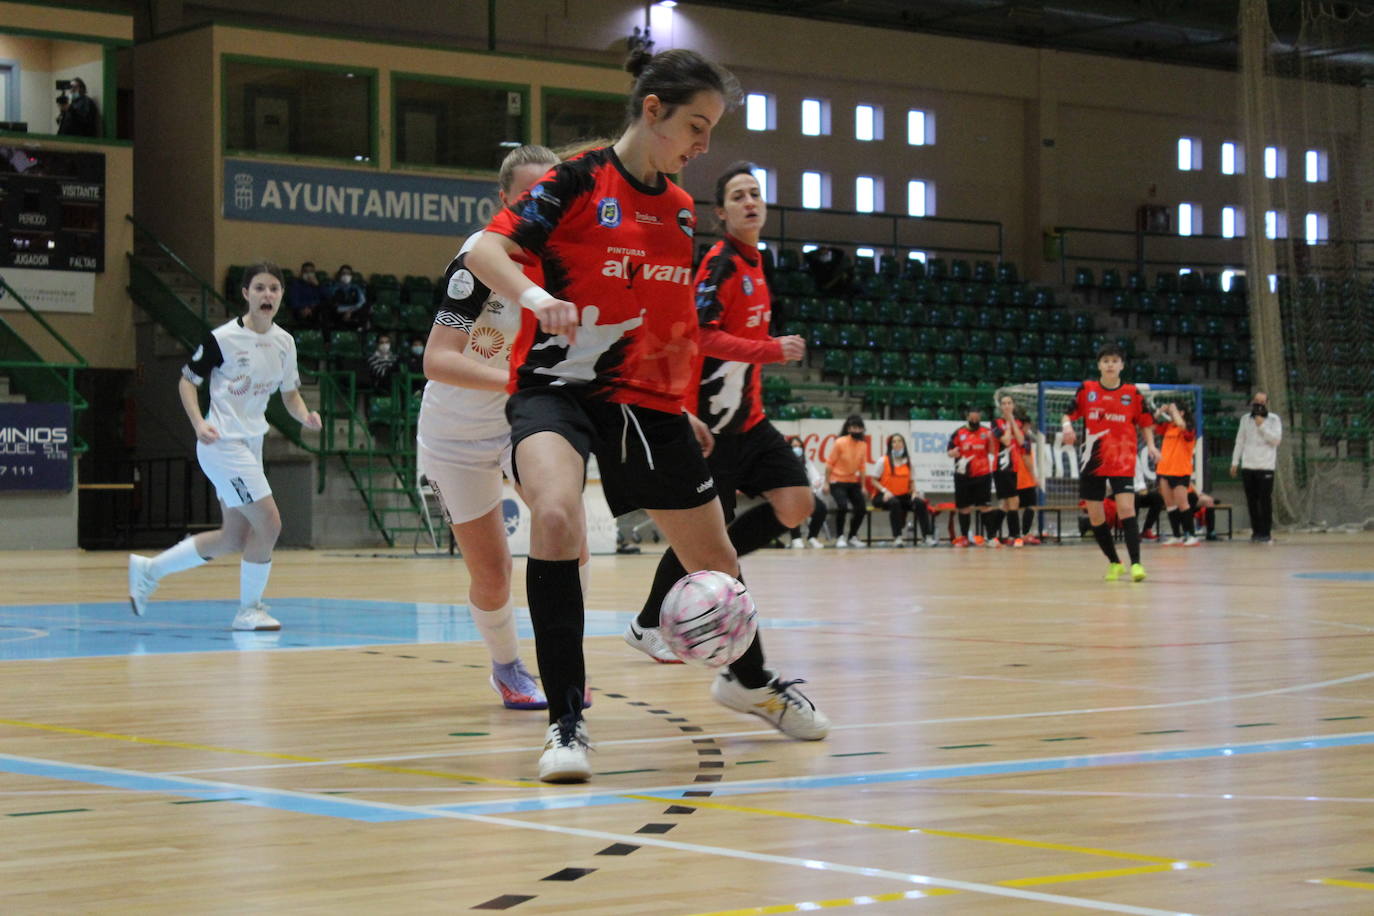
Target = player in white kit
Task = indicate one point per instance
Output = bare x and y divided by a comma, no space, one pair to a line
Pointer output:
463,438
244,360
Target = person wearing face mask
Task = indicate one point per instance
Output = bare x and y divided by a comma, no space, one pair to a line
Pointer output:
603,365
80,118
816,475
974,450
846,470
306,295
1256,456
382,363
895,487
348,299
244,361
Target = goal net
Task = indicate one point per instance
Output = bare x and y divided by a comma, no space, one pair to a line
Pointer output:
1056,464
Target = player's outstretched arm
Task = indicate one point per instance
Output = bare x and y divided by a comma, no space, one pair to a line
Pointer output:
492,260
296,406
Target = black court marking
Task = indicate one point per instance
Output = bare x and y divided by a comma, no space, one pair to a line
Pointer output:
740,763
707,777
1255,724
1370,868
568,874
860,754
1166,731
689,728
1345,719
206,801
616,696
1068,738
658,712
639,703
697,793
676,719
37,813
679,809
707,751
618,849
624,772
655,828
960,747
710,764
504,902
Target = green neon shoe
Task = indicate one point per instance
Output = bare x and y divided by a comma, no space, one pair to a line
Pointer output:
1137,573
1113,572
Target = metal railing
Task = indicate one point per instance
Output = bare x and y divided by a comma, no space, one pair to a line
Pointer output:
206,294
35,377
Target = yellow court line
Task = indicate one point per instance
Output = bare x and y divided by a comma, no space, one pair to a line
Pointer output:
983,838
161,742
1099,875
835,904
1337,882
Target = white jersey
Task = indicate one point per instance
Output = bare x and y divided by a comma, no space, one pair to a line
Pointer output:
450,412
244,369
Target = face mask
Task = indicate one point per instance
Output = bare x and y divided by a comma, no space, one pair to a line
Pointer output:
797,450
345,279
972,424
418,349
898,452
384,347
859,435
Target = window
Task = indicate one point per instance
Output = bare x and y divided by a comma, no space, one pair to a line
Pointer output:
762,245
815,190
815,117
1275,162
458,125
1275,224
1314,165
1232,159
920,127
920,198
570,117
1189,154
1273,283
1232,222
1189,219
868,194
865,252
279,107
1227,276
868,122
767,189
760,112
921,256
1315,228
807,248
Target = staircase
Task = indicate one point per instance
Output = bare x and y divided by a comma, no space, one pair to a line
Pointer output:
183,305
27,376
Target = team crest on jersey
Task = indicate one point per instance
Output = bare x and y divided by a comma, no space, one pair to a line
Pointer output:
1125,399
687,222
748,287
487,342
461,284
608,212
539,192
1092,396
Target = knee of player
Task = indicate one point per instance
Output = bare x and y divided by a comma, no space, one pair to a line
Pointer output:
792,505
559,519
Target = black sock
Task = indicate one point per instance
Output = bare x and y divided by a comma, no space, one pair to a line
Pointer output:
1027,520
1174,524
1104,540
747,532
748,668
1132,529
1189,524
992,524
965,522
1211,519
554,591
1014,524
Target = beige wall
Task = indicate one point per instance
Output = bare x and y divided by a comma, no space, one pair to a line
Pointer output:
43,60
36,94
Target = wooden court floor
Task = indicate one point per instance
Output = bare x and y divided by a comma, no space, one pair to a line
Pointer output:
1011,735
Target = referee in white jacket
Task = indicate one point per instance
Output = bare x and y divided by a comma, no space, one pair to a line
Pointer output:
1255,455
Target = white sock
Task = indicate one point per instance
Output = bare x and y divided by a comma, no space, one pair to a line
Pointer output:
252,581
584,573
176,558
498,631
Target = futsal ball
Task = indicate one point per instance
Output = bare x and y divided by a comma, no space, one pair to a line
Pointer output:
707,618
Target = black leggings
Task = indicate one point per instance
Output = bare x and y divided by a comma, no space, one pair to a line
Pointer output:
848,496
897,507
925,523
818,513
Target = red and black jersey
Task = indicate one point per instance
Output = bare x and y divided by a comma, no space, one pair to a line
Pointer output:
621,251
733,311
1110,418
1005,453
977,450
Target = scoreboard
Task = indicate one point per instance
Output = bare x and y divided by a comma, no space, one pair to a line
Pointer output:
52,206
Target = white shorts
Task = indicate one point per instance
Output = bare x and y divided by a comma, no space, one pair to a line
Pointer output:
465,474
234,466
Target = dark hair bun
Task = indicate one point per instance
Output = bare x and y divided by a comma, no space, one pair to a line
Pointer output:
639,59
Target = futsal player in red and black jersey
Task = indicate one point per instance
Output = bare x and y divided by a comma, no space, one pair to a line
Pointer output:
1111,411
603,365
733,310
974,450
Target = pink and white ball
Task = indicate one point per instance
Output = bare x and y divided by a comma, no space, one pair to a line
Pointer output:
708,619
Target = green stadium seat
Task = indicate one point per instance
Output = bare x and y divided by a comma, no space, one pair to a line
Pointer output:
865,266
902,338
973,368
1161,326
936,270
927,339
864,311
1214,327
945,367
999,370
863,363
984,272
1111,280
1035,321
1052,344
1046,368
914,269
960,271
918,364
1003,342
1191,283
416,317
1166,282
1083,278
936,317
1012,319
952,342
789,259
853,336
920,413
892,364
820,412
961,316
979,341
835,362
1135,281
834,310
809,309
1082,323
1077,345
1043,297
310,343
1021,296
1203,349
994,296
1166,374
890,311
985,319
1006,273
789,412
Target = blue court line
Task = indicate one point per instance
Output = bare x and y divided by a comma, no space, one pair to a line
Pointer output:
880,777
1337,576
206,790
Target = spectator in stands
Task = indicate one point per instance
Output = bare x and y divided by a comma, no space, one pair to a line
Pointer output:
974,450
816,474
348,299
895,486
306,294
80,117
382,363
415,355
846,469
1255,456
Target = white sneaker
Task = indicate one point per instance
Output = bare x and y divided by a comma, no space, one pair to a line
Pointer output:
565,751
650,641
930,540
797,544
857,544
815,542
842,541
1191,541
141,583
255,618
780,703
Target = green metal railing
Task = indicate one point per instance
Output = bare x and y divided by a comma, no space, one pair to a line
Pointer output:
34,377
206,294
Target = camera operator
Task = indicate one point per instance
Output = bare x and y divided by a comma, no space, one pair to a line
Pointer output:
80,117
1255,455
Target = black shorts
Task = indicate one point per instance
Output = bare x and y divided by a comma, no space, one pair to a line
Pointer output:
754,462
1030,496
649,459
1005,481
1177,480
972,491
1094,488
